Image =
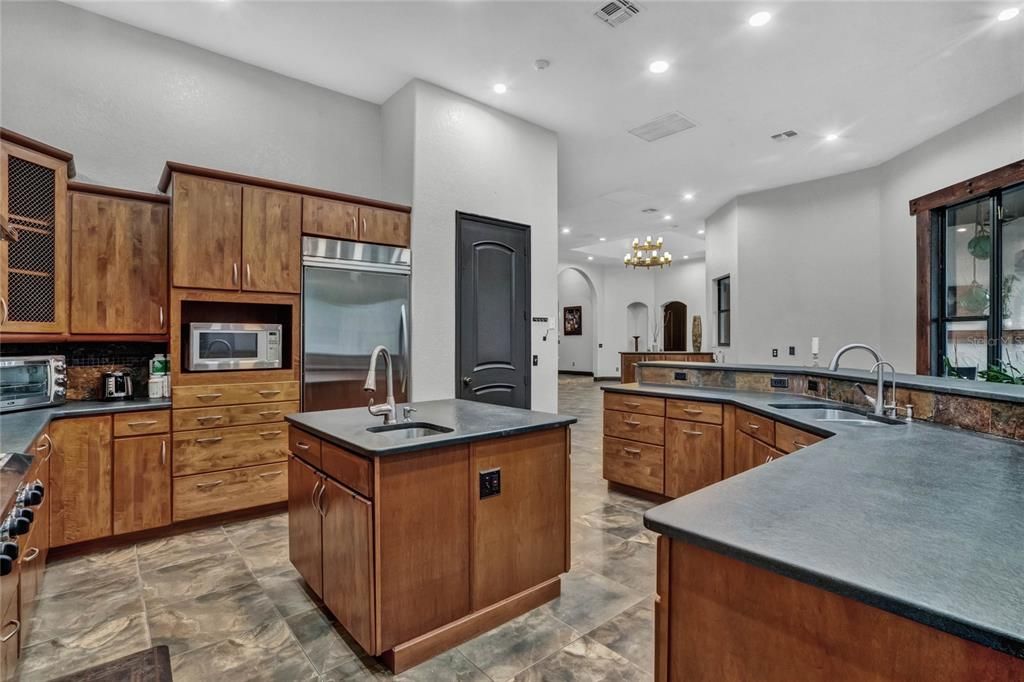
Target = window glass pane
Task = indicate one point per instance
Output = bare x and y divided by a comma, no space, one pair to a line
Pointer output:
966,348
723,294
968,258
1013,277
723,328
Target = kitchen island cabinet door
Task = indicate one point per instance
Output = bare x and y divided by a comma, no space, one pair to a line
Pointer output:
271,241
348,561
119,266
80,480
693,456
748,454
142,483
304,523
206,233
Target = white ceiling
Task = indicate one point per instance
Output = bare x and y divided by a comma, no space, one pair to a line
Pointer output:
886,76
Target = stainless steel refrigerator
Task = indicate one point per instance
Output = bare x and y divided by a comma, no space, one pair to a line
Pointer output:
354,297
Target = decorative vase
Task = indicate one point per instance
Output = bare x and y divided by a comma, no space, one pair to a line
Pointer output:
698,333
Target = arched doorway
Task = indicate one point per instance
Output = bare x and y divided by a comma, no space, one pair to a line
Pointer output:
578,353
636,326
673,317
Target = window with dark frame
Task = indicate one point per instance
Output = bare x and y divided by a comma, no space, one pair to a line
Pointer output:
724,305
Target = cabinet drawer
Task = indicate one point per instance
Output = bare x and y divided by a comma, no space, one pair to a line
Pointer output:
232,415
694,411
215,449
631,426
348,469
640,404
235,394
789,439
224,491
761,428
304,446
634,464
141,423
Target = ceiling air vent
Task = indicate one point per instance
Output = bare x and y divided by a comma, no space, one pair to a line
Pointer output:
617,12
784,135
649,210
663,126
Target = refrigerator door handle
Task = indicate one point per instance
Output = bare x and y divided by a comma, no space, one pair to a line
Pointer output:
404,350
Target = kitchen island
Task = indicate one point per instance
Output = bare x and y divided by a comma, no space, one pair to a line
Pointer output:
879,551
422,534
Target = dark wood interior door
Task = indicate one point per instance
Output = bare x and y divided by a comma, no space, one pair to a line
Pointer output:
492,359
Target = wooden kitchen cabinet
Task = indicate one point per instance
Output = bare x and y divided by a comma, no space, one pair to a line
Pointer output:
206,235
80,479
34,250
693,456
119,256
142,483
271,240
348,560
749,453
305,543
328,218
10,637
383,226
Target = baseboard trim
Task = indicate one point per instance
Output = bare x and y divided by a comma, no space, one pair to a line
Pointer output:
575,373
611,378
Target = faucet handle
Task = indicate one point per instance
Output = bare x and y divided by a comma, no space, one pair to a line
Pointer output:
407,412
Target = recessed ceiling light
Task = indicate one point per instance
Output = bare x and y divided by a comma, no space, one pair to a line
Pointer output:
668,217
590,258
831,137
688,196
686,257
961,229
500,88
760,18
565,230
658,66
700,231
602,239
1008,14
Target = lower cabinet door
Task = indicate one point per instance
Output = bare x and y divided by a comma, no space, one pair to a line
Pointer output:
749,453
348,561
142,483
304,523
10,641
693,456
80,479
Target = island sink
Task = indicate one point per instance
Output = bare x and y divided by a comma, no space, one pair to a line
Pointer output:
411,429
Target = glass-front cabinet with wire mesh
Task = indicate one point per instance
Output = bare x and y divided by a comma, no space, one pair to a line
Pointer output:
33,241
981,285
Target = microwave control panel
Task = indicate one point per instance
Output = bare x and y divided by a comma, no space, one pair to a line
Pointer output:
274,346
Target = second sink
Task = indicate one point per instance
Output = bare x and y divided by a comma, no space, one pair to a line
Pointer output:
411,429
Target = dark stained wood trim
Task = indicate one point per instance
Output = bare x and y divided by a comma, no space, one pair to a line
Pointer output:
924,292
118,192
175,167
637,492
35,145
1010,174
9,337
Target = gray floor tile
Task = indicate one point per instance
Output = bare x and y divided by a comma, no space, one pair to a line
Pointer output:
106,640
632,564
266,653
194,578
451,665
630,634
181,548
325,645
88,571
589,599
245,534
289,592
518,644
267,558
65,614
584,661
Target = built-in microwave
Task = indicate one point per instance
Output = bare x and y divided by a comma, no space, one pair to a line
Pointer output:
219,346
32,381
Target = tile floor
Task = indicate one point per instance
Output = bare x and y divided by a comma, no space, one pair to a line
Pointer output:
230,607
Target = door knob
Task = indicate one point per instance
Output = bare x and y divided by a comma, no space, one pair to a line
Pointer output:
466,381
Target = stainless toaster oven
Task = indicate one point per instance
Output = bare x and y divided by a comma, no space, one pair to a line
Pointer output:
32,381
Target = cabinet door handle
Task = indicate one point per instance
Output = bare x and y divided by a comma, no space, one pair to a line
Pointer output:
693,433
209,418
163,452
691,410
797,444
632,452
270,413
320,501
355,228
12,633
302,446
268,391
211,396
161,317
630,422
631,404
312,499
267,434
212,484
144,422
270,474
755,427
3,304
248,275
364,224
211,439
31,554
234,274
769,458
49,450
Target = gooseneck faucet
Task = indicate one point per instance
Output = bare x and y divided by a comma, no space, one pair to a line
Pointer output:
879,401
387,409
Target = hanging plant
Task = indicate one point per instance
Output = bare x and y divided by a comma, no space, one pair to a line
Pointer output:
980,245
975,299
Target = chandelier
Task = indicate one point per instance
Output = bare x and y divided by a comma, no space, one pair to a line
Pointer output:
646,254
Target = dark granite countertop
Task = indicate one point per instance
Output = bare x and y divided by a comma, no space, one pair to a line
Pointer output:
470,421
1012,393
921,520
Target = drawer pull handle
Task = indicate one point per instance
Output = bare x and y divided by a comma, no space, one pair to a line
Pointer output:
769,458
12,633
629,422
692,410
270,474
631,404
270,413
31,554
302,446
798,444
163,452
210,418
693,433
267,391
212,484
49,445
755,427
144,422
320,502
211,396
212,439
632,452
267,434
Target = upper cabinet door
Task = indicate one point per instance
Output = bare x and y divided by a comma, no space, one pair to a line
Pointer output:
327,218
33,261
382,226
207,233
271,240
119,266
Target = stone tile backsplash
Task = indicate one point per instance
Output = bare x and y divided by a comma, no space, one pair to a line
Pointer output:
88,361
